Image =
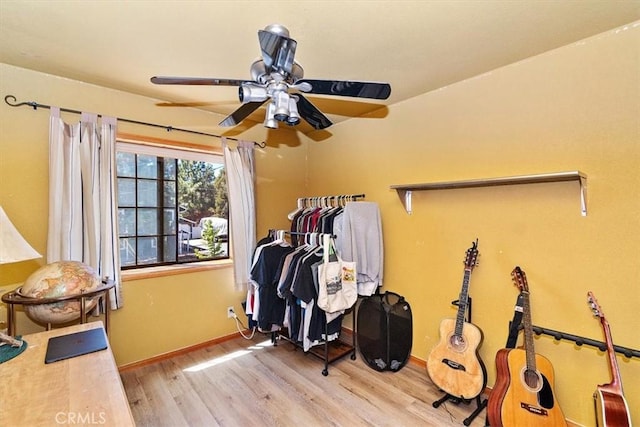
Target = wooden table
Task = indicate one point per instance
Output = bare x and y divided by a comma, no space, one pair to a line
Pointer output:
83,390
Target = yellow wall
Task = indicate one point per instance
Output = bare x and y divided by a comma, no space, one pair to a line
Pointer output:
160,314
577,107
573,108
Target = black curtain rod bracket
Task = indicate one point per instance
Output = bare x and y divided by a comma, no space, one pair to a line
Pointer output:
36,105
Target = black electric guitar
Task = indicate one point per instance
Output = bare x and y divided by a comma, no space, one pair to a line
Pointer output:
523,394
611,407
453,364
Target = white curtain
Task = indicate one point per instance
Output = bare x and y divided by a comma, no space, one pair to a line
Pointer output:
82,196
239,166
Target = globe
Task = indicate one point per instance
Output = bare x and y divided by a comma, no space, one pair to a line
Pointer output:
58,279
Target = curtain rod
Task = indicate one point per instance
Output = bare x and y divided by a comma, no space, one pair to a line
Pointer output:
36,105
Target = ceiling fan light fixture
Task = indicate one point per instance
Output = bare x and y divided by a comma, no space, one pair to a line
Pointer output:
270,121
294,116
250,93
281,102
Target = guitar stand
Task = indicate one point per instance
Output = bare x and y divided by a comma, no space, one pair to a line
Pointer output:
480,404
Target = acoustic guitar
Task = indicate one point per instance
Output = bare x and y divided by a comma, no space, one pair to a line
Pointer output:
611,407
523,394
453,364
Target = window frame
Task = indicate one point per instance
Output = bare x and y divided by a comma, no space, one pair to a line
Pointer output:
173,149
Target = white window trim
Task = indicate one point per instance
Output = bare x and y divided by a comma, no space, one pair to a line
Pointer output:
169,152
166,148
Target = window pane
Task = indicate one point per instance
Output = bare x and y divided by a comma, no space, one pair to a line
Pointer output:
147,193
126,192
170,248
127,222
169,221
169,193
127,252
126,164
147,222
170,169
162,202
148,250
147,166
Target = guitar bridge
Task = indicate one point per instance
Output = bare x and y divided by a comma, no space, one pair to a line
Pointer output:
533,409
454,365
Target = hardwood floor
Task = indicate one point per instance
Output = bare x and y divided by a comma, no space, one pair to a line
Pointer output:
253,383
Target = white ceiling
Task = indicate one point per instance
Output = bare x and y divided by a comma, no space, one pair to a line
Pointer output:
416,46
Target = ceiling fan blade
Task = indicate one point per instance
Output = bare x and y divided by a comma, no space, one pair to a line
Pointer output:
277,51
194,104
348,88
202,81
241,113
311,114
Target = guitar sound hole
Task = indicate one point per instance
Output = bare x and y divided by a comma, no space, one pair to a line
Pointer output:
458,342
532,379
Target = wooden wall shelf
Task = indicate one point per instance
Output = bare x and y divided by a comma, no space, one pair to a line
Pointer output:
405,191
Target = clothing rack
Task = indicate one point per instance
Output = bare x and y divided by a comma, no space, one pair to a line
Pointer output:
297,233
36,105
340,348
325,201
627,352
312,203
328,351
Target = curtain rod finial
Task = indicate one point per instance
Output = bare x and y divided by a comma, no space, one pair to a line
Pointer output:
14,102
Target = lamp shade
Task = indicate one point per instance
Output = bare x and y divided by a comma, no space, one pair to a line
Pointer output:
13,247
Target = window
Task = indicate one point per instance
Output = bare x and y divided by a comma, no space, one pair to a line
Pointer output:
172,205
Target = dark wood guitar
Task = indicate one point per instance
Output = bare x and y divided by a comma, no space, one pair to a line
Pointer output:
611,407
523,394
453,364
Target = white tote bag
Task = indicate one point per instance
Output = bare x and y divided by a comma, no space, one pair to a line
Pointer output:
337,286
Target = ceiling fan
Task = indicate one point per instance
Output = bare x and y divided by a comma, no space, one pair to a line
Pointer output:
278,80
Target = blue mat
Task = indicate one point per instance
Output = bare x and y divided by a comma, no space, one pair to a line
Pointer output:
7,352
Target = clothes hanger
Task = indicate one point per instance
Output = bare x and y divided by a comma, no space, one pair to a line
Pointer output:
300,206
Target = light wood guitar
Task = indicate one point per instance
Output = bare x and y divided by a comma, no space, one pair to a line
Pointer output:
611,406
523,394
453,364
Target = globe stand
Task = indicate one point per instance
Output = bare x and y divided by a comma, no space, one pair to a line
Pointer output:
14,298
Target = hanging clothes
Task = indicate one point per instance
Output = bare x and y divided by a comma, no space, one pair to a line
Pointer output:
265,274
286,292
359,239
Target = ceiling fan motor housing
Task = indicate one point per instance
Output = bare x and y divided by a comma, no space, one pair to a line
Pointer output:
277,29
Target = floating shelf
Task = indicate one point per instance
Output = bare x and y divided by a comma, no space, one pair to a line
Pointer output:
405,191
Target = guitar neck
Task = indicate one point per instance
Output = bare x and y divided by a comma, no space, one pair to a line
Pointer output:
528,332
616,382
463,301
